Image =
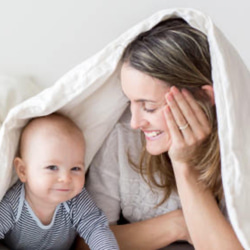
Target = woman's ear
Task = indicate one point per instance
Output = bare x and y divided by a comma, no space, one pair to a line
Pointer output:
20,168
210,92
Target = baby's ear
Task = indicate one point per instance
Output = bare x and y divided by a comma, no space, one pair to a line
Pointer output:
210,92
20,168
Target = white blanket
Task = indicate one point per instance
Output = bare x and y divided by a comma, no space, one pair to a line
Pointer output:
91,95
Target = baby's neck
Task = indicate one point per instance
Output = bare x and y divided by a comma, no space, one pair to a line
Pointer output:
45,217
44,212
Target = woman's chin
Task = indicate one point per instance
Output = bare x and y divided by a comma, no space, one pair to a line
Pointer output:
158,147
157,150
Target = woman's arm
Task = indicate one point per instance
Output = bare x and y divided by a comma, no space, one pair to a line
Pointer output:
149,234
208,227
153,233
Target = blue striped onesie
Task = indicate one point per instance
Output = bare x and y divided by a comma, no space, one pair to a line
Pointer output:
22,230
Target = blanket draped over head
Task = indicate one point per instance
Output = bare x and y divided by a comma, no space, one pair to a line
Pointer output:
91,95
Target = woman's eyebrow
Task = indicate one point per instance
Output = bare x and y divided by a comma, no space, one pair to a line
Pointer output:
160,103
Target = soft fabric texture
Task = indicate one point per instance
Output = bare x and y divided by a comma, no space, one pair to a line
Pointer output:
91,95
14,90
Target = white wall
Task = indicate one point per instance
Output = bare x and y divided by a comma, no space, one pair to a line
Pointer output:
46,38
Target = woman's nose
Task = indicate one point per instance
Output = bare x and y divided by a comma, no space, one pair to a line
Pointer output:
137,120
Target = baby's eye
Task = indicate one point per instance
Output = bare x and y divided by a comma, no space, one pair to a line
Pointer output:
52,167
76,169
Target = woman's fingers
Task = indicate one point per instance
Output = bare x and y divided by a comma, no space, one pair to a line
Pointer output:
185,108
182,124
197,110
187,122
181,146
176,110
172,125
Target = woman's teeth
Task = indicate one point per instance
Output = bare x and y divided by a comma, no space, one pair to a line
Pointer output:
152,134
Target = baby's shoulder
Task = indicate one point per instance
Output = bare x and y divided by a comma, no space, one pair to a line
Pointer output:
79,202
11,200
13,193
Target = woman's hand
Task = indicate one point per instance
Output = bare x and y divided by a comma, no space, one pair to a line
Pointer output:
179,225
206,224
187,123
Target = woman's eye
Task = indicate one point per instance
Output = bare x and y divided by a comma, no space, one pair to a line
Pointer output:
149,110
52,167
147,107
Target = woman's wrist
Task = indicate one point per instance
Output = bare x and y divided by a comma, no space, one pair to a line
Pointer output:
183,169
187,178
178,226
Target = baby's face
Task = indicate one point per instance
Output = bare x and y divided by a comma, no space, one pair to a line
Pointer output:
54,165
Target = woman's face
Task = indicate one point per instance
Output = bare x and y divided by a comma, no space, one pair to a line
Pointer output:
147,101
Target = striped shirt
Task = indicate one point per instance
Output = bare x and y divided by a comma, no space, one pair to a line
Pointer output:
21,229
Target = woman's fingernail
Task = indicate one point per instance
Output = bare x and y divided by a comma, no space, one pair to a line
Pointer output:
175,90
169,97
184,92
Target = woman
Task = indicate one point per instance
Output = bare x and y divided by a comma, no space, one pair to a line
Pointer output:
166,75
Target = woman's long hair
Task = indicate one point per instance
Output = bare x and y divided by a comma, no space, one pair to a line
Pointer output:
178,54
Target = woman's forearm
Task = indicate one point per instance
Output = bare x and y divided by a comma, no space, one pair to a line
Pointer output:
150,234
207,226
153,233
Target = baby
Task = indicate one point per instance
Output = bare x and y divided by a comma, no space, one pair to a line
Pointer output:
48,206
